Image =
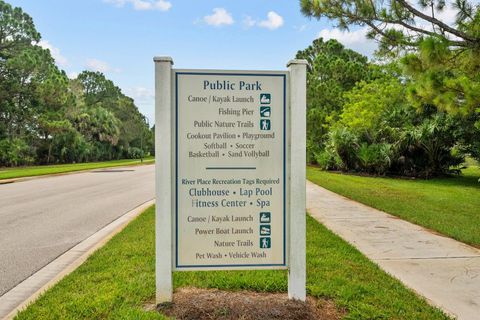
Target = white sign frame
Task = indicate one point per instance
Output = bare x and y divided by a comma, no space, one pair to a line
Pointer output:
295,130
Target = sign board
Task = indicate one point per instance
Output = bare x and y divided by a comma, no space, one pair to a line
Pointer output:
230,172
230,169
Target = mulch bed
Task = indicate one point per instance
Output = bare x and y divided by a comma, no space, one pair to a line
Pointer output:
203,304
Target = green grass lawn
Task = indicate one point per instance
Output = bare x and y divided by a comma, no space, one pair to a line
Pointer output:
21,172
119,279
450,206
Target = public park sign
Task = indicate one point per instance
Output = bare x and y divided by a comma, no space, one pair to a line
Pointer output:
230,172
230,169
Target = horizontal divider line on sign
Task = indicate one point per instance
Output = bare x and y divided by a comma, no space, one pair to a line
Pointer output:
231,168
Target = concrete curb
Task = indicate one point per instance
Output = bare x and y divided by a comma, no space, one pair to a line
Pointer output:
30,289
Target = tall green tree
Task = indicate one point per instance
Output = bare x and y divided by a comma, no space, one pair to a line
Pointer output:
442,60
332,70
32,89
17,33
46,117
98,91
400,24
450,80
17,30
369,105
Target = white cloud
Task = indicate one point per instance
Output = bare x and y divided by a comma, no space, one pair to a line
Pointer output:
72,75
273,21
140,93
97,65
219,17
54,51
144,99
447,15
161,5
249,22
301,28
100,66
356,40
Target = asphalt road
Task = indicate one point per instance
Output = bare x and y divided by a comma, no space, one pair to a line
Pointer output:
42,218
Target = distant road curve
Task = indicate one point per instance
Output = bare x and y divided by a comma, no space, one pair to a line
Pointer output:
42,218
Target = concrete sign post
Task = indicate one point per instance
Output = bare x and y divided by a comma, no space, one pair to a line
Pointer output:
230,150
298,102
163,179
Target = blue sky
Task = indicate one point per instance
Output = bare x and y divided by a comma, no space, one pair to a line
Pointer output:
121,37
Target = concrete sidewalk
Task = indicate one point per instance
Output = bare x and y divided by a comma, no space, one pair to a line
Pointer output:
446,272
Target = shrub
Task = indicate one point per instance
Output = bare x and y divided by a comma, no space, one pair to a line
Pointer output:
71,147
135,153
343,143
326,160
427,149
375,158
312,150
15,152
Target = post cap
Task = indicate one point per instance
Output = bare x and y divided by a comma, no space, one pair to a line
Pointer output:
297,61
163,59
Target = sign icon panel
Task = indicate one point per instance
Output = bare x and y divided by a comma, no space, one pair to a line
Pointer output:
265,98
265,111
265,243
265,217
265,230
265,124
